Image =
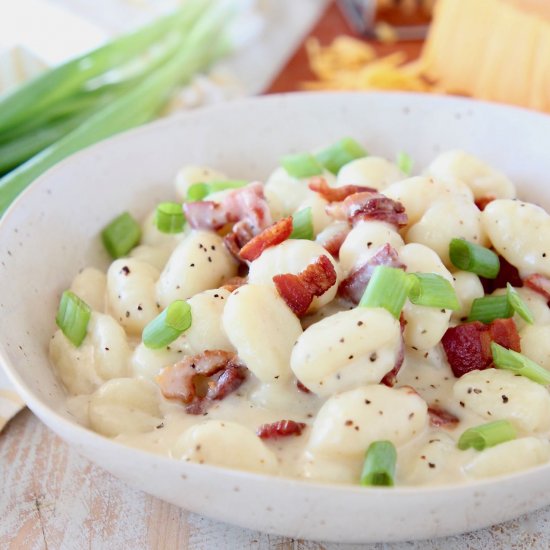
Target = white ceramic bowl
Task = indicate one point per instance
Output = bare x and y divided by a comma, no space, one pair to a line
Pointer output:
51,232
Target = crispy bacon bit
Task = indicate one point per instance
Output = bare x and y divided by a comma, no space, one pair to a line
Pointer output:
441,418
200,379
484,201
336,194
468,346
540,284
507,274
299,290
353,286
369,206
281,428
275,234
247,203
301,387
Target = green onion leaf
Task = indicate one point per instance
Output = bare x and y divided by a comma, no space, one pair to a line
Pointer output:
511,360
489,308
474,258
301,165
302,225
342,152
121,235
405,163
198,191
432,290
388,288
169,217
487,435
518,305
168,325
73,317
379,465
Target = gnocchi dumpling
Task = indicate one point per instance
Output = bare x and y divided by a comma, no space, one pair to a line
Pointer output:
445,219
125,406
418,193
375,172
201,261
90,285
292,256
147,363
496,394
152,236
350,421
104,354
206,331
520,232
535,344
508,457
425,325
347,350
482,179
227,444
263,330
364,240
131,293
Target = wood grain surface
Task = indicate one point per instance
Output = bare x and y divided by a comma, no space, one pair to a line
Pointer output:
51,498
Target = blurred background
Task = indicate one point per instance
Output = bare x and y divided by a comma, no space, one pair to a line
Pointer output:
73,72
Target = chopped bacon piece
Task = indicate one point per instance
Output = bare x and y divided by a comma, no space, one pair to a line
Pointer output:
440,417
299,290
336,194
220,373
468,346
275,234
281,428
369,206
291,289
505,333
484,201
301,387
247,203
540,284
507,274
353,286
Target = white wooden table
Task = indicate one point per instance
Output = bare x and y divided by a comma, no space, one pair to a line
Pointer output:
51,498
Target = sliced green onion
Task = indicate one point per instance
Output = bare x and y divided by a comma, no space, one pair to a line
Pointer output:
121,235
474,258
169,217
405,163
301,165
511,360
379,465
198,191
342,152
302,225
388,288
489,308
168,325
518,305
432,290
73,317
487,435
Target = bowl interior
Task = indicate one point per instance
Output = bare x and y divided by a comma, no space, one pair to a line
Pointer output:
51,232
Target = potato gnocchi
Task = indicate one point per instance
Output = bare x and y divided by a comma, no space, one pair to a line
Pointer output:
241,328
